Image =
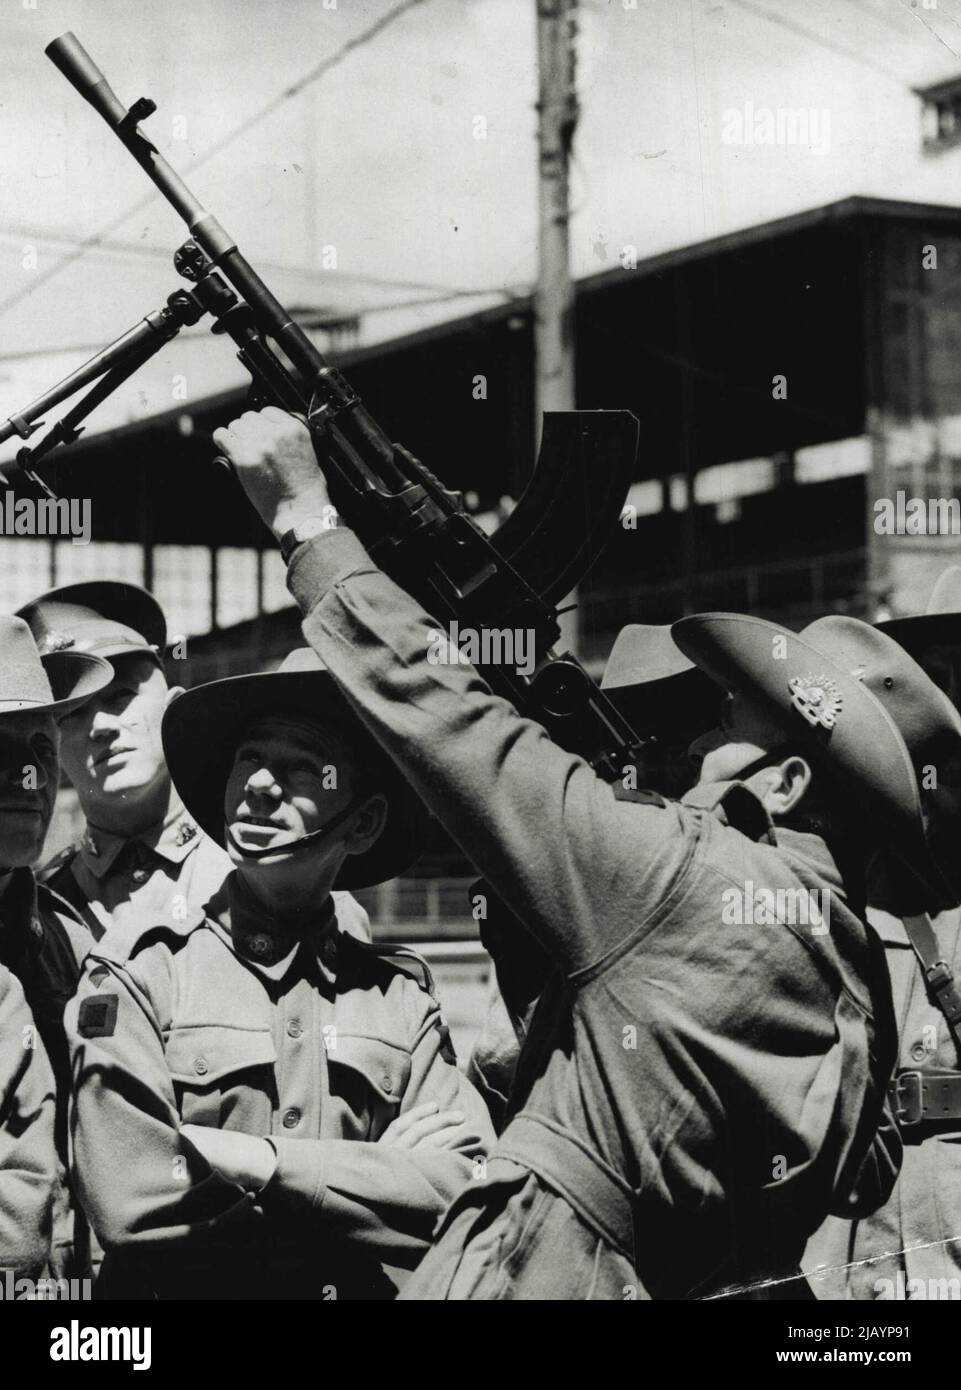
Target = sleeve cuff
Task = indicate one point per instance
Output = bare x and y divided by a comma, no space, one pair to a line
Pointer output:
317,565
299,1176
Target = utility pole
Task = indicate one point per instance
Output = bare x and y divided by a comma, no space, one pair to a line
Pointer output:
557,114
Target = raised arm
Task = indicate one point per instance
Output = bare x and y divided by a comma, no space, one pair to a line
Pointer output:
548,834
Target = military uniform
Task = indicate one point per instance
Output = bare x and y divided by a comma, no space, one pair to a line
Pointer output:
28,1157
171,869
43,943
108,878
316,1042
917,1235
694,1095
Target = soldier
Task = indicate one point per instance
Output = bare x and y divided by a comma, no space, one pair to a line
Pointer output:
705,1078
265,1106
669,703
911,1248
42,941
142,856
28,1156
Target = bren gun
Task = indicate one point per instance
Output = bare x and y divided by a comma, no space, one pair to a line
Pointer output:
417,531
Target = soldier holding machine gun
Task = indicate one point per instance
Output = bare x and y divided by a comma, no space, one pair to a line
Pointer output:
699,1088
664,1137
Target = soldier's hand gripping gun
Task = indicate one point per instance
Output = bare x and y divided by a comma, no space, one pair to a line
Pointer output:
418,532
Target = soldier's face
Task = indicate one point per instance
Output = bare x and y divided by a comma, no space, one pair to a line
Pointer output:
28,785
746,732
111,746
288,779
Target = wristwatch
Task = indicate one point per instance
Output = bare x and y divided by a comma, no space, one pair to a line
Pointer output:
305,530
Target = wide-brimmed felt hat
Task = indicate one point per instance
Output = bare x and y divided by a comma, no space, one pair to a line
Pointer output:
858,703
939,624
30,683
203,728
649,678
104,616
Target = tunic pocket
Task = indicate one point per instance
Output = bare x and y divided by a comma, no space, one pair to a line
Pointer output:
368,1078
223,1073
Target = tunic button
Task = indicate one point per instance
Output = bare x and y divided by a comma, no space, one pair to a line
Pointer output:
291,1119
200,1066
294,1029
919,1052
139,875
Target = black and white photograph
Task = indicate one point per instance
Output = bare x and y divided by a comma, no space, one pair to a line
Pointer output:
480,668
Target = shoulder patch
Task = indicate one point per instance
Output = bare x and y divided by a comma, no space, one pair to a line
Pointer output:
98,1016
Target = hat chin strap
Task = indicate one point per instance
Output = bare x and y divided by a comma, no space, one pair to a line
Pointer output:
312,837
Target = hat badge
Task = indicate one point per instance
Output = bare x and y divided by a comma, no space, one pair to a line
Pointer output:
817,699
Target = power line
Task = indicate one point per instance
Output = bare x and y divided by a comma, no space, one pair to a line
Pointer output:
850,53
509,295
89,243
931,30
19,231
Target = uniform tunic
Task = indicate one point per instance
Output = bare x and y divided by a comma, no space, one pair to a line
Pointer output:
916,1236
169,870
696,1093
43,943
318,1049
28,1156
110,878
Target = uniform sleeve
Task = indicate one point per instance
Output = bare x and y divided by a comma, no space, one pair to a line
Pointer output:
140,1180
384,1199
28,1157
578,867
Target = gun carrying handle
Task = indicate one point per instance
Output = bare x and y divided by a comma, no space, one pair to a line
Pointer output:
73,60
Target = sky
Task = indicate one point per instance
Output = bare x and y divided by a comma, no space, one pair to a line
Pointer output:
377,164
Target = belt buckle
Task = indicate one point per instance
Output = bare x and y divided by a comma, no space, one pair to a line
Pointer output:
909,1098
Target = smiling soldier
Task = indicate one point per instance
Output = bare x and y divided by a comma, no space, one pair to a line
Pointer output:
142,856
265,1106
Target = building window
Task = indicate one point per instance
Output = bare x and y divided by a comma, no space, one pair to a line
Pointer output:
940,115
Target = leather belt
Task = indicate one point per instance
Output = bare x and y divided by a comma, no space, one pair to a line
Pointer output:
924,1102
569,1167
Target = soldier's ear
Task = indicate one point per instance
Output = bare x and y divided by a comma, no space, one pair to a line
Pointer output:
369,824
787,785
172,694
